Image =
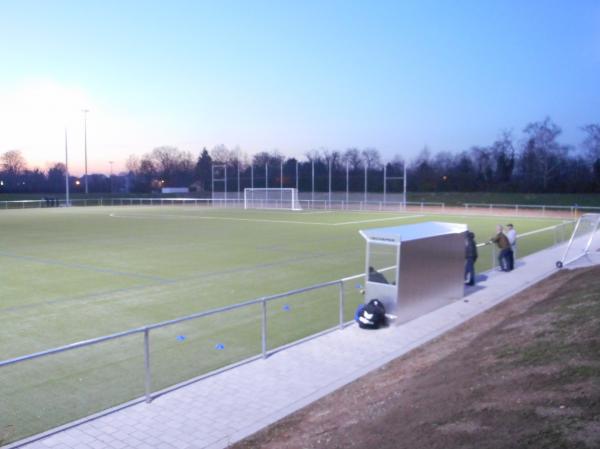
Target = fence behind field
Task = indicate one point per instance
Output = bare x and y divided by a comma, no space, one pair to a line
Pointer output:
336,202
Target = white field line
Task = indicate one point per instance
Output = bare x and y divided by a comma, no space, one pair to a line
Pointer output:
256,220
279,211
208,217
525,234
534,232
374,220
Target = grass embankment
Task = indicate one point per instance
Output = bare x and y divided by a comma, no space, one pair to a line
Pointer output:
524,375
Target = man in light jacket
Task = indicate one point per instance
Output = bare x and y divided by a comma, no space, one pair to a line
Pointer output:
511,235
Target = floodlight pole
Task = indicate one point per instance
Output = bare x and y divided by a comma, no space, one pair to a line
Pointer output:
66,170
85,111
111,176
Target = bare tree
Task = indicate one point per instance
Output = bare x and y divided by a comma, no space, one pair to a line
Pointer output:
503,152
371,157
544,155
591,143
133,163
13,163
353,158
484,165
221,154
314,156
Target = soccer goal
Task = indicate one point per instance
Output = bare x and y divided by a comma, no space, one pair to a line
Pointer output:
271,198
584,239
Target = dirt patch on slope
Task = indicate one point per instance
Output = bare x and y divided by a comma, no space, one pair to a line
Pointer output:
525,374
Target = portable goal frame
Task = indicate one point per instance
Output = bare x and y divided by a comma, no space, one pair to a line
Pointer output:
271,198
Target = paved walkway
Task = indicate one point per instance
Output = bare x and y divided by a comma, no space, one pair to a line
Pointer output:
227,407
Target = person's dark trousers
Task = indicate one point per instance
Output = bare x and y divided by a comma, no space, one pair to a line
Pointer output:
470,271
504,259
511,260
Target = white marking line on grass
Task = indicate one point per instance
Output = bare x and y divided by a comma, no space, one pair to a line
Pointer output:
525,234
280,211
208,217
374,220
258,220
535,231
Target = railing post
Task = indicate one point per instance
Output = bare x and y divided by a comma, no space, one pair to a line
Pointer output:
148,384
342,305
264,328
493,256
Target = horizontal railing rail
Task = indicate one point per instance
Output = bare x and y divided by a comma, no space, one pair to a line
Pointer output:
233,200
148,328
560,234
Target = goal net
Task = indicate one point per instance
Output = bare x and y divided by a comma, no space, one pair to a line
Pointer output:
583,241
271,198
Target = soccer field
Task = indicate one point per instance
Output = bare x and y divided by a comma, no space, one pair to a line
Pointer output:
79,273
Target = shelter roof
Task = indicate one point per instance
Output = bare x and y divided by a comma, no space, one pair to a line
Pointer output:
404,233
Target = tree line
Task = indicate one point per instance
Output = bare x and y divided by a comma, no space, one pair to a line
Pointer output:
536,161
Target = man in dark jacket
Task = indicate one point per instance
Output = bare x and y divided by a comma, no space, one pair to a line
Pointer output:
471,257
503,244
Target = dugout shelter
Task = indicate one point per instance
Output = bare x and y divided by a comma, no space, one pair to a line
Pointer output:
416,268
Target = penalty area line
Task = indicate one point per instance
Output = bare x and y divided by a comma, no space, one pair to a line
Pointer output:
208,217
375,220
260,220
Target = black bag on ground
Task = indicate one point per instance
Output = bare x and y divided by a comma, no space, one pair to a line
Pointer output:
372,315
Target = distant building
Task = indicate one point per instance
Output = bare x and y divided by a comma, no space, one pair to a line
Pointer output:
175,190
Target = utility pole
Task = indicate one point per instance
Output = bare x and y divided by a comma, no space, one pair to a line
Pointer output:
111,176
85,111
66,170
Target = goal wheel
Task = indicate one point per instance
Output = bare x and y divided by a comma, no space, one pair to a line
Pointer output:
559,264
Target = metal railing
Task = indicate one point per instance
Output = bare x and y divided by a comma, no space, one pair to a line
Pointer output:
329,204
145,330
524,209
554,235
153,348
225,202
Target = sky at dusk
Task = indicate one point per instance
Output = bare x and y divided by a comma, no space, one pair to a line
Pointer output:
290,75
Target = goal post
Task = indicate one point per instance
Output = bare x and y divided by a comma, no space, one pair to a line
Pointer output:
271,198
584,239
